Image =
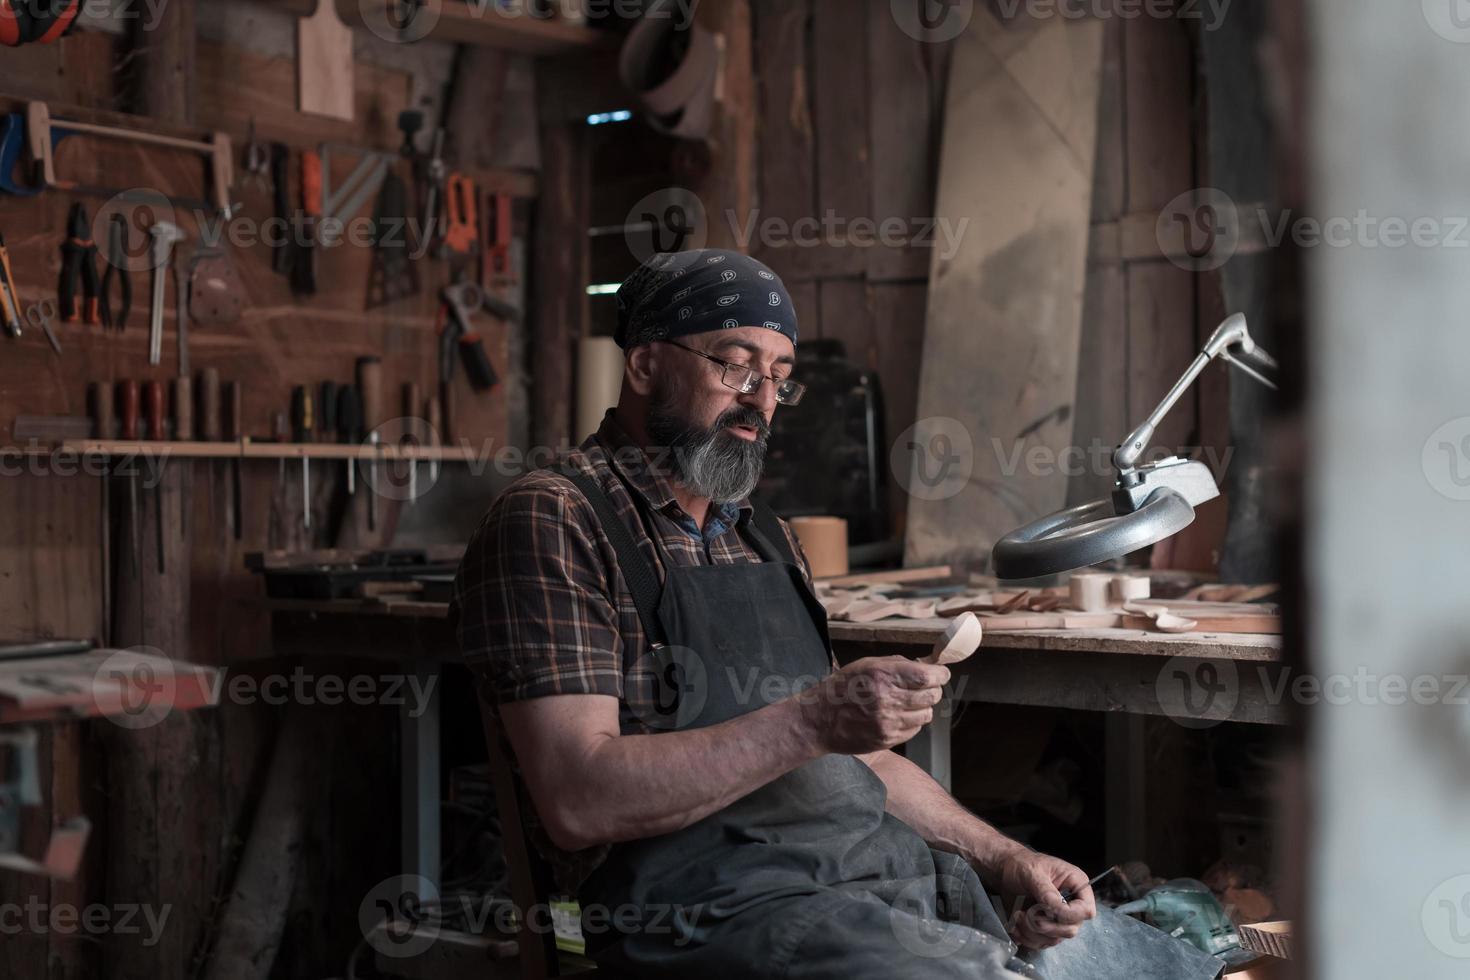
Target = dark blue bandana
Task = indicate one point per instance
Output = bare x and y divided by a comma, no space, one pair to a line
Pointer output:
675,294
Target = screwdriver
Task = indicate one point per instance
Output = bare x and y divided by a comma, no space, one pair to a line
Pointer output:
349,424
370,392
301,425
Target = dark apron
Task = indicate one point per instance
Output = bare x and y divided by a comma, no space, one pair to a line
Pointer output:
805,877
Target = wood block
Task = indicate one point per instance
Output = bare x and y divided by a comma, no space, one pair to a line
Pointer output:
1004,314
324,63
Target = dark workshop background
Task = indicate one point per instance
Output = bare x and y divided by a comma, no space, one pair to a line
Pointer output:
827,106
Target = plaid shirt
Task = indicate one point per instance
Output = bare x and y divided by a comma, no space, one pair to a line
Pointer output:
541,608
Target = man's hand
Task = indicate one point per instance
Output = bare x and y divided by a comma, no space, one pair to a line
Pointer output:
1032,885
873,704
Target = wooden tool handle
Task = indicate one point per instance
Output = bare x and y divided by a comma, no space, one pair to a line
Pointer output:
235,423
370,391
209,405
127,396
183,409
102,404
153,409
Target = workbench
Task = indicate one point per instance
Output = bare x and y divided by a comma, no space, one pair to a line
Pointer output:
1116,671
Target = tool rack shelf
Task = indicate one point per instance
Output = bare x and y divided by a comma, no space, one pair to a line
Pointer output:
245,449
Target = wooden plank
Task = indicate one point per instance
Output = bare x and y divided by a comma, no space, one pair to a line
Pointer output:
1158,78
787,156
898,311
1160,346
840,72
904,122
324,63
1003,329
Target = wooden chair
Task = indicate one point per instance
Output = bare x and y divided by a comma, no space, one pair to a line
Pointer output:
531,883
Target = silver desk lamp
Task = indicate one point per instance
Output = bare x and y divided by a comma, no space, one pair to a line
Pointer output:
1149,502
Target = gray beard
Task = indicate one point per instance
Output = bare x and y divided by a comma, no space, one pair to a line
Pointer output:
711,462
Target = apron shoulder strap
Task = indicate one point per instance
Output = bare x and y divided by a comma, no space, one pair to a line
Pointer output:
766,532
641,578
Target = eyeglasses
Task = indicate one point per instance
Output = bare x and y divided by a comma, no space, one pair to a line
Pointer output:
744,380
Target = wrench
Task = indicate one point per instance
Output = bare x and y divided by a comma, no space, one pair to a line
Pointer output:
163,235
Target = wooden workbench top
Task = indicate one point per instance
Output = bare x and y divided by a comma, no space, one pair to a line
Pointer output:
1246,647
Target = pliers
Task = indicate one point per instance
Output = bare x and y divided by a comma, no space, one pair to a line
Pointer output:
117,259
79,262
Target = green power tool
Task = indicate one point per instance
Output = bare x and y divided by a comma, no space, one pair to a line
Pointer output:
1187,910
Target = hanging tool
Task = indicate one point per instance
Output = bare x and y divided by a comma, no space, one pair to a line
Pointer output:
431,183
9,297
257,160
461,233
117,258
410,437
41,315
78,268
349,429
163,234
392,274
302,424
216,295
233,431
342,203
303,263
497,231
181,307
370,398
1150,502
42,133
462,300
285,250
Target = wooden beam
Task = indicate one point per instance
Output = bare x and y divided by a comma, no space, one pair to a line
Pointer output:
164,57
727,190
561,276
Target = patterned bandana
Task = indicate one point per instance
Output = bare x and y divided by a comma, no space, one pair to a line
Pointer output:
675,294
